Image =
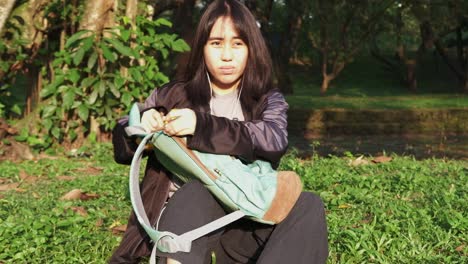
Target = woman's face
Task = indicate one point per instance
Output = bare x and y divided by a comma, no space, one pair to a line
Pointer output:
225,55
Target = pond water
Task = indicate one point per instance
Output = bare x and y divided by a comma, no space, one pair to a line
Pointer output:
419,146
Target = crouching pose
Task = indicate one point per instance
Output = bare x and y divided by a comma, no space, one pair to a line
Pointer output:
224,104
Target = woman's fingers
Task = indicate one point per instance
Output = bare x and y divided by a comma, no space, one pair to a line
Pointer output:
180,122
159,123
173,131
152,120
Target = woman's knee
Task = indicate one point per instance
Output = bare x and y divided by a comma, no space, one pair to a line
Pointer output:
310,202
309,209
191,193
190,207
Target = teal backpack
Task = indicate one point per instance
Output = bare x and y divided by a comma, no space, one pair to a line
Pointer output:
254,190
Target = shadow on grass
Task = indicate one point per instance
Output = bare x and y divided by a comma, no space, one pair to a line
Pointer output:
420,147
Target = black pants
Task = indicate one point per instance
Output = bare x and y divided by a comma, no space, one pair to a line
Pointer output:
300,238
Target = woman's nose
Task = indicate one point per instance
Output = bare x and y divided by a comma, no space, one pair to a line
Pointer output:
226,53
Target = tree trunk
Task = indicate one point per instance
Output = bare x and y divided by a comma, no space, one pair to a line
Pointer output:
98,15
161,6
34,81
325,83
462,57
411,75
465,83
262,14
287,46
131,9
34,21
282,77
94,127
184,27
5,9
328,77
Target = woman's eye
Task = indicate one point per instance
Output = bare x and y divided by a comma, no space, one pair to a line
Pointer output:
238,43
216,43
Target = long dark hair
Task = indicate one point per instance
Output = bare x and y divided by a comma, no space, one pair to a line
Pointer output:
257,76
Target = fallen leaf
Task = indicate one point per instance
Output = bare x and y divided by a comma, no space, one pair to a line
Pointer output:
365,221
74,194
344,206
80,210
77,194
65,178
89,196
381,159
5,126
46,156
359,162
9,186
119,229
114,224
23,151
99,222
460,248
23,175
12,131
27,178
91,170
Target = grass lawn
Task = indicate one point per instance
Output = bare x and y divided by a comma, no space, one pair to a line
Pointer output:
364,84
401,211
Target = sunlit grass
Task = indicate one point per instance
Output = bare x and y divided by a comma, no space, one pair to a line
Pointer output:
364,84
402,211
441,101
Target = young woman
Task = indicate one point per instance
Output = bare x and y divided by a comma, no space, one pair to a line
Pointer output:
225,104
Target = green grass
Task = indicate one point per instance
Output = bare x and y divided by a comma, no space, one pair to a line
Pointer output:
402,211
364,84
37,227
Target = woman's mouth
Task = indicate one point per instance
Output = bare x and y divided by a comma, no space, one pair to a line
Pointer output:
227,69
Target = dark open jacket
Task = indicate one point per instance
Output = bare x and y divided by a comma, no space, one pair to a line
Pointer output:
262,136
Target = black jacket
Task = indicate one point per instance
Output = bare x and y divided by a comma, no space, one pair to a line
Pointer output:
262,136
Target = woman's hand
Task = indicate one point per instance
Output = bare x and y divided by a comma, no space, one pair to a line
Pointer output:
152,121
180,122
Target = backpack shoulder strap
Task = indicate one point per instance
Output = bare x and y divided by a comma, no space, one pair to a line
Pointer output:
167,241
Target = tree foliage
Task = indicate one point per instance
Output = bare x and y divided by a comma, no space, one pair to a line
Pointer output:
15,52
85,61
416,28
89,77
88,82
339,29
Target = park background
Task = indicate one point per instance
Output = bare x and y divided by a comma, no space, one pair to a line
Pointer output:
378,119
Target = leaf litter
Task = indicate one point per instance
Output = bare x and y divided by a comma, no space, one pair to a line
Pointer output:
77,194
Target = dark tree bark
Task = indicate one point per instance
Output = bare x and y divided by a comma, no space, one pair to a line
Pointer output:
183,25
288,43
